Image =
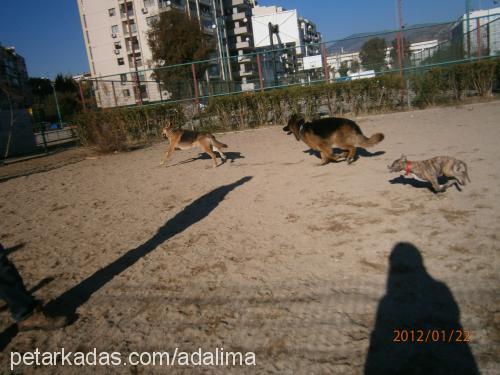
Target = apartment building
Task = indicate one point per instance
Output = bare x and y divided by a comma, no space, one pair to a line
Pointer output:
115,34
14,77
484,32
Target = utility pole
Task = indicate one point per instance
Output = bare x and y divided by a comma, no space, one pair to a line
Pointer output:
399,39
468,8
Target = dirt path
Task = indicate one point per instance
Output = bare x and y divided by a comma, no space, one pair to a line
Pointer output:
268,253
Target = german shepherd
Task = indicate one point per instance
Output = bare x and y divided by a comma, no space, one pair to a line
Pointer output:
322,134
181,139
431,169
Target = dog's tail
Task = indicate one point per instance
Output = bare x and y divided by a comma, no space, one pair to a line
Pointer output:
216,143
364,141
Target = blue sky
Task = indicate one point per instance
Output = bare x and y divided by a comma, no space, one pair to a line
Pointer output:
48,32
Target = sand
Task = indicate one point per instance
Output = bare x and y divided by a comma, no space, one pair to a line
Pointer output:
268,253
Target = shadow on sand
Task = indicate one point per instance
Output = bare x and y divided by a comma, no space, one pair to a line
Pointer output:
68,302
415,301
421,184
360,152
231,157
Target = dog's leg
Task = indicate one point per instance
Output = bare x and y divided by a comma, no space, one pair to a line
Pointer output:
451,183
168,154
222,156
326,154
435,184
351,152
207,147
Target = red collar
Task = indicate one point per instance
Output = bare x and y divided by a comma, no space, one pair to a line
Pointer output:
408,168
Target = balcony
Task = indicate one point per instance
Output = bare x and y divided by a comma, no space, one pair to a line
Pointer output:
170,4
243,45
244,59
238,31
243,73
237,16
208,30
130,14
234,3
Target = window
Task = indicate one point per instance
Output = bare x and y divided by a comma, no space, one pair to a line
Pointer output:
151,20
118,45
121,61
111,12
114,29
149,3
126,93
123,78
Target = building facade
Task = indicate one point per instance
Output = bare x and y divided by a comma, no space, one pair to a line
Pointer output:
14,77
115,34
277,28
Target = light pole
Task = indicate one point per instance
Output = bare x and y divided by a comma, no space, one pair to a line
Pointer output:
57,103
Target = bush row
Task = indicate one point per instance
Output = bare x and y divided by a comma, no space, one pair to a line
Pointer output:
117,129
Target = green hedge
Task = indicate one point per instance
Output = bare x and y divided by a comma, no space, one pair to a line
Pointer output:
117,129
454,83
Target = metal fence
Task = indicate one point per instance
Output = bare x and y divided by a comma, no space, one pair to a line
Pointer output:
408,51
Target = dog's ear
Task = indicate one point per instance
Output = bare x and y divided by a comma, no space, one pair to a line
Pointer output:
301,122
167,124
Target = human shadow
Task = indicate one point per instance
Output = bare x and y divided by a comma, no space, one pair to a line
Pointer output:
67,303
231,157
12,249
421,184
360,152
415,302
8,334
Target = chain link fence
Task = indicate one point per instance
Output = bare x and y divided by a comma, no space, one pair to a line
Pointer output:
408,51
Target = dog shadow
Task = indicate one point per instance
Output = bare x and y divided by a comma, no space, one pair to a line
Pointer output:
421,184
360,152
231,157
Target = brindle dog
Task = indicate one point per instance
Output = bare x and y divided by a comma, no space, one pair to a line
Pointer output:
431,169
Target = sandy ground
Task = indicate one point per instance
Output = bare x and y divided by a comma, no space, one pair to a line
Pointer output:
267,253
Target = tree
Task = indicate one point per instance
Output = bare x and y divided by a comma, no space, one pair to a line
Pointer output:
176,38
65,84
372,54
394,52
343,69
355,66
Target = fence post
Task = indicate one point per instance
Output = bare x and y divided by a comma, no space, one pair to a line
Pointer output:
478,35
259,66
44,140
196,92
81,95
159,90
325,63
114,93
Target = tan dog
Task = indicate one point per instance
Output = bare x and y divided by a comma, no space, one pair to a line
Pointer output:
181,139
322,134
